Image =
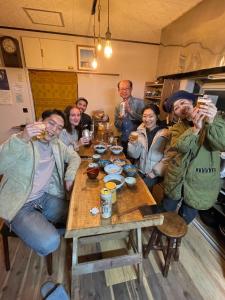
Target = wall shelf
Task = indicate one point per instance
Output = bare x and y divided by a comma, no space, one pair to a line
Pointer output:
153,97
153,84
157,93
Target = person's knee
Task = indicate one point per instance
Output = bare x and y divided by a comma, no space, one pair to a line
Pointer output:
49,245
188,213
169,204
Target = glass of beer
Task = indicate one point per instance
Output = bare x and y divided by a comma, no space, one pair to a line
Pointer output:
203,101
133,136
41,136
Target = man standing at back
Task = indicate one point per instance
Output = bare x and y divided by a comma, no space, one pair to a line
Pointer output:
128,114
85,121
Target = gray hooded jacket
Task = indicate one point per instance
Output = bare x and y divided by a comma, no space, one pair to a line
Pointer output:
149,160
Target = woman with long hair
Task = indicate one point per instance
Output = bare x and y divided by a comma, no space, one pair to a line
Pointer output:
70,134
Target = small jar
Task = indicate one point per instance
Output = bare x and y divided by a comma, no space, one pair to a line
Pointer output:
112,187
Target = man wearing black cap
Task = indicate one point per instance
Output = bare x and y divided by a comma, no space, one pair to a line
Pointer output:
193,171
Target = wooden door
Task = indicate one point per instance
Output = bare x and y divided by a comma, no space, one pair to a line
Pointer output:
52,89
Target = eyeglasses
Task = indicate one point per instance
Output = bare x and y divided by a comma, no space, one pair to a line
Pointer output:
126,89
54,124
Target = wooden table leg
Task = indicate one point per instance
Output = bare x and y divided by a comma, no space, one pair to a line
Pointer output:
139,247
75,286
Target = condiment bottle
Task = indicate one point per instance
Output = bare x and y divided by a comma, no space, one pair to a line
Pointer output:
106,203
112,187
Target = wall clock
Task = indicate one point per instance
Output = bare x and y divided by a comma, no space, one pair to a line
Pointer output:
10,52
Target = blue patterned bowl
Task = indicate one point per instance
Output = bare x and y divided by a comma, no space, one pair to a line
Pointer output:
103,162
130,170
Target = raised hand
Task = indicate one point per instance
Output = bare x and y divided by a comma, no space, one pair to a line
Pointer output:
68,185
209,111
31,130
197,119
127,107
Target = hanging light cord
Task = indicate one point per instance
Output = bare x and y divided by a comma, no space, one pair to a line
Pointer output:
108,15
99,17
94,29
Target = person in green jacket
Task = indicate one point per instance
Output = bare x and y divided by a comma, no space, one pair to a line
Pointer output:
32,194
192,178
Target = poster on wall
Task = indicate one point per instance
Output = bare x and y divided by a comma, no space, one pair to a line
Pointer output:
5,94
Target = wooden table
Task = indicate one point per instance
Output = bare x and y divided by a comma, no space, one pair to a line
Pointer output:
85,228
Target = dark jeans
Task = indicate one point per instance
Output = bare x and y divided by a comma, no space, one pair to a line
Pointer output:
186,212
150,182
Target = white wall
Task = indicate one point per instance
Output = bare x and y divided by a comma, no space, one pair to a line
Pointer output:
194,41
136,62
12,114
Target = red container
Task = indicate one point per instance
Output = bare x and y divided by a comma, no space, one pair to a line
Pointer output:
92,171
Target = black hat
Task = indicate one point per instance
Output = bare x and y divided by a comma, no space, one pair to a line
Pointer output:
168,103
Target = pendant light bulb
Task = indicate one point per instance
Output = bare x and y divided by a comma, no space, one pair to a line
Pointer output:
108,46
108,49
99,44
94,63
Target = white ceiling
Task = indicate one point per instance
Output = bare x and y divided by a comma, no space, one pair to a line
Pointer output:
134,20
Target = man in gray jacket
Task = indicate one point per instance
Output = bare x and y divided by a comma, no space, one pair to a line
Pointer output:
32,196
128,114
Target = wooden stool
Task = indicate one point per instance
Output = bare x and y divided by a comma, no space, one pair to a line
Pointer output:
5,232
173,228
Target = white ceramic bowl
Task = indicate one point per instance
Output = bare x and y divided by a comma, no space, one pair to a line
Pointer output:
116,178
116,149
96,157
113,169
130,181
100,148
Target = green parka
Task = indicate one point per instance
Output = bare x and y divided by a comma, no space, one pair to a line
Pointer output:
194,165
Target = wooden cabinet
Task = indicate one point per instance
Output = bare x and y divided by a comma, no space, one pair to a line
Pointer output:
49,54
32,52
158,92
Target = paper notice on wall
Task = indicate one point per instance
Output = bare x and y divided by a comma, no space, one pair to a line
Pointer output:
5,97
5,94
18,92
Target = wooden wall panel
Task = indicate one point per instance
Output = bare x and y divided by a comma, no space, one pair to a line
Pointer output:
52,89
